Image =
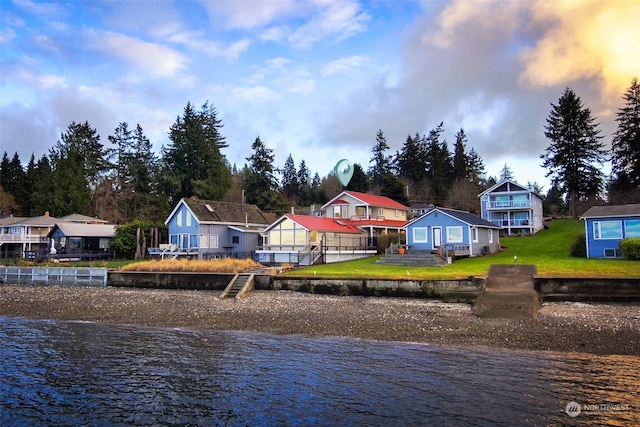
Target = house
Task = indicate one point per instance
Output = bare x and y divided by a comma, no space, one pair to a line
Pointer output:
206,229
513,207
27,236
81,240
605,226
377,215
452,230
418,209
307,240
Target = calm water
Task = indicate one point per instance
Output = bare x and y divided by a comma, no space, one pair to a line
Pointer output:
74,373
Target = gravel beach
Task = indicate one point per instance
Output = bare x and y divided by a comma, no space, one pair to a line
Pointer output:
560,326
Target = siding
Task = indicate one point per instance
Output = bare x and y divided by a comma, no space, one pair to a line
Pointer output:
596,247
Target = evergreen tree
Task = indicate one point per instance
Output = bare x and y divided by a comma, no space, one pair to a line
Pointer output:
305,184
13,181
575,148
381,162
411,163
626,142
192,163
359,181
460,161
290,184
261,183
393,188
506,174
78,161
42,187
439,165
475,166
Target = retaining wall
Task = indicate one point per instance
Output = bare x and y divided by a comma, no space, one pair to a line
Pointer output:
588,289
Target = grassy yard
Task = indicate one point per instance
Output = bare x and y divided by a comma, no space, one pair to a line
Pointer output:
549,250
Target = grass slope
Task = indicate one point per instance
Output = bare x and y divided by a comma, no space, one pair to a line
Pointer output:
548,249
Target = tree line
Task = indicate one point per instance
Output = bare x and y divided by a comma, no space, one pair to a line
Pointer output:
126,181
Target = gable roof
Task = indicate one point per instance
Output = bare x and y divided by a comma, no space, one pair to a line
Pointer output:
72,229
367,199
320,223
497,185
223,212
612,211
466,217
76,217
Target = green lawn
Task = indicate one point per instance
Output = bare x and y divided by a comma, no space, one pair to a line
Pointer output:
548,250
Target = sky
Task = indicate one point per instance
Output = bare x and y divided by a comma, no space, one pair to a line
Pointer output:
316,79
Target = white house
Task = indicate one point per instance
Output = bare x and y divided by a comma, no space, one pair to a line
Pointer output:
513,207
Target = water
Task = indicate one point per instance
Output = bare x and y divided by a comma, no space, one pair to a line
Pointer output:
77,373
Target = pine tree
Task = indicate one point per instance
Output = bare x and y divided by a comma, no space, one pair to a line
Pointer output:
261,183
626,142
305,184
381,162
192,164
359,181
506,174
574,150
411,163
13,180
439,165
460,160
290,184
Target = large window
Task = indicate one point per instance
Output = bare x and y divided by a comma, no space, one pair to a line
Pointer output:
420,235
454,234
632,228
607,230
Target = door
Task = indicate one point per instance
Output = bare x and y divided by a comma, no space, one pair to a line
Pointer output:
437,237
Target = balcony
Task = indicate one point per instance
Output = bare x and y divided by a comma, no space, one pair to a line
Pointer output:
508,204
23,238
512,222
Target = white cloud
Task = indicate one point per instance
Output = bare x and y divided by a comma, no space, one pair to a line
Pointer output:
345,65
249,14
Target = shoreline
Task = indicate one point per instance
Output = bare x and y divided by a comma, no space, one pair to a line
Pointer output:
601,328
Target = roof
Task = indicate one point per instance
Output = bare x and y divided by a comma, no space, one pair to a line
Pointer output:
72,229
503,182
76,217
612,211
224,212
465,217
368,199
393,223
321,223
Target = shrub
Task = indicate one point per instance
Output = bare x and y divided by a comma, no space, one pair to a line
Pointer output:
385,240
630,248
579,247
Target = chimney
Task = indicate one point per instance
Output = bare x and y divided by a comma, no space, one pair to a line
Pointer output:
46,213
292,210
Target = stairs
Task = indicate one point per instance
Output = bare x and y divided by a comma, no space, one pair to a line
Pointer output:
239,286
508,293
413,259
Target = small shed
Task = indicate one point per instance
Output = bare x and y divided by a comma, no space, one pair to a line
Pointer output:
606,226
453,230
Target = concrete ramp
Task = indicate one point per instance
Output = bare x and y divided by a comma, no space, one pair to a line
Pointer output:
508,293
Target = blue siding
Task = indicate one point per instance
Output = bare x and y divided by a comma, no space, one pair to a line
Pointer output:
431,220
177,226
599,244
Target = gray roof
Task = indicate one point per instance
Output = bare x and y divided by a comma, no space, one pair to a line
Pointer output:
465,217
71,229
612,211
226,212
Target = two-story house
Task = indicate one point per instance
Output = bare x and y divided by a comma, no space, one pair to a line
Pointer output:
513,207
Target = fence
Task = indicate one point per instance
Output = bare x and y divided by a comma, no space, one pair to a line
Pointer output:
54,276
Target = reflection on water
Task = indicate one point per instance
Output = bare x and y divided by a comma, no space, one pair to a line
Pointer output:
72,373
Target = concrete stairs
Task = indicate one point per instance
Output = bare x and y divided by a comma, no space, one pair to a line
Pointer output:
239,286
508,293
413,259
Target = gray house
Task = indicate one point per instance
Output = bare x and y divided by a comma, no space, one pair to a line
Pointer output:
206,229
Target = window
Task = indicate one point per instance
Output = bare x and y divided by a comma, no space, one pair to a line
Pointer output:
179,219
193,241
490,235
204,241
607,230
454,234
187,217
340,211
474,232
235,240
213,241
420,234
632,228
611,253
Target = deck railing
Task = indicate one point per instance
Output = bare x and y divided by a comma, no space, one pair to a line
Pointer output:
54,276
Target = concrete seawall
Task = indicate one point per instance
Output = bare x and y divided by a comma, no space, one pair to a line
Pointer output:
549,289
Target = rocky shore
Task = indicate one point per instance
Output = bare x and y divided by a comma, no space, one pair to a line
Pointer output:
566,327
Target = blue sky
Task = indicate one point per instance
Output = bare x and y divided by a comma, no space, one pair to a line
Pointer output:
316,78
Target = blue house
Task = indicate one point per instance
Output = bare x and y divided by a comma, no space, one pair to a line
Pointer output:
449,229
512,206
206,229
605,226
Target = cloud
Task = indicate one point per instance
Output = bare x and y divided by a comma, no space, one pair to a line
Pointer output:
248,15
345,65
152,58
587,39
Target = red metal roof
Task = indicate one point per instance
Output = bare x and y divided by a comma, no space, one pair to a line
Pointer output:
380,223
373,200
321,223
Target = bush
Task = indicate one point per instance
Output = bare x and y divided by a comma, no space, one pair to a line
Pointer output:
630,248
125,243
579,247
385,240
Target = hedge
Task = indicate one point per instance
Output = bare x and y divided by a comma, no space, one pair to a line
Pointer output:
630,248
